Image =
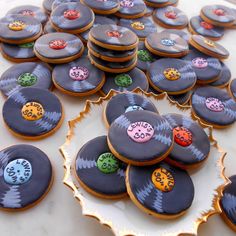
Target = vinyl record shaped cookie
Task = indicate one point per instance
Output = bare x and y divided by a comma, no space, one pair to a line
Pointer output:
48,28
232,88
170,17
25,177
125,81
99,171
58,48
126,102
47,6
32,113
29,74
173,76
191,143
158,190
214,106
57,3
78,78
72,18
182,99
18,29
140,138
181,33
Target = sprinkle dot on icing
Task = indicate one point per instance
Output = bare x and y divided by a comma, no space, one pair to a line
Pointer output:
214,104
219,12
145,56
57,44
27,79
79,73
182,136
140,132
17,172
133,108
27,12
27,45
127,3
114,34
71,14
17,25
123,80
163,180
209,42
171,15
167,42
32,111
172,74
107,163
200,63
206,25
138,25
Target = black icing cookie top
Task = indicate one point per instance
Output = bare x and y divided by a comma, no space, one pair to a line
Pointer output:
103,6
140,137
47,5
158,189
214,106
232,88
157,3
170,16
29,74
72,18
191,143
57,3
32,113
173,76
99,171
79,77
126,102
181,33
182,99
29,10
142,27
125,81
25,176
48,28
206,68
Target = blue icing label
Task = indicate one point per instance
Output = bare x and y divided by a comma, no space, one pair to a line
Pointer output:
167,42
134,108
18,172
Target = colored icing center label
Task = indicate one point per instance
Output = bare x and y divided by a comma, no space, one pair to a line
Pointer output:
17,172
138,25
206,25
163,179
214,104
107,163
32,111
27,45
133,108
140,132
114,34
57,44
127,3
71,14
17,25
200,62
167,42
79,73
209,43
219,12
27,79
182,136
145,56
27,13
171,15
123,80
172,74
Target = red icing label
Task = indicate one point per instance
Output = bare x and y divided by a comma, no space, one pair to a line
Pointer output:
182,136
79,73
57,44
114,34
71,14
27,13
214,104
219,12
171,15
206,25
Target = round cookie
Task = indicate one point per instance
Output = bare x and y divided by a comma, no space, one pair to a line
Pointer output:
182,99
57,3
29,74
209,47
191,143
125,82
181,33
232,88
72,18
18,29
157,3
207,69
158,190
214,106
167,44
140,138
170,17
78,78
47,6
228,204
198,26
32,113
99,171
25,177
48,28
126,102
173,76
58,48
113,37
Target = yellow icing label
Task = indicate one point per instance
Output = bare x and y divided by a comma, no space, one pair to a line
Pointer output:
17,25
138,25
172,74
32,111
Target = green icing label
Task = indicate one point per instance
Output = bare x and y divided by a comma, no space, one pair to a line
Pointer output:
27,45
27,79
145,56
123,80
107,163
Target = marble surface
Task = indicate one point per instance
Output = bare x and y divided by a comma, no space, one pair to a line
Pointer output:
59,213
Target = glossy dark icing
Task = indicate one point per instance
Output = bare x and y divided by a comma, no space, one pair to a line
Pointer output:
182,99
135,7
232,88
48,28
102,5
47,5
57,3
181,33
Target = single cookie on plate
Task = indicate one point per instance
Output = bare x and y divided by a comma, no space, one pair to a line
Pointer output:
26,177
48,28
232,88
182,99
99,172
47,6
140,138
32,113
214,106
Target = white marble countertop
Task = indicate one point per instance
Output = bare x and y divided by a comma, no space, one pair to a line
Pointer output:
59,213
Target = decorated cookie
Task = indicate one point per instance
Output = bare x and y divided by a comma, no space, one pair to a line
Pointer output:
99,171
170,75
158,190
57,3
198,26
19,29
142,27
72,18
209,47
78,78
126,102
113,37
149,11
125,81
214,106
58,48
181,33
25,177
140,138
166,44
232,88
32,113
47,6
207,69
170,17
157,3
182,99
48,28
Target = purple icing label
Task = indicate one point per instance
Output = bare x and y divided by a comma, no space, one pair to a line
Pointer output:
79,73
127,3
200,62
214,104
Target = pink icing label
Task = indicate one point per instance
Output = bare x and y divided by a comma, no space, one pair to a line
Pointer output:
79,73
140,132
127,3
214,104
200,62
